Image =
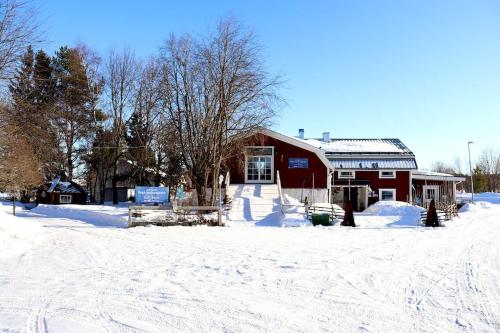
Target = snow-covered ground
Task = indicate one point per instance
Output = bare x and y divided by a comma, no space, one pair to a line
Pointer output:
486,197
77,269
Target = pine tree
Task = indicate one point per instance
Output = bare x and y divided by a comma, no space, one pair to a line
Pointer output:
480,179
22,91
31,115
140,152
75,105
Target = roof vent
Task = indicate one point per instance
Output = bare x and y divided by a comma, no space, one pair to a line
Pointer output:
326,136
301,133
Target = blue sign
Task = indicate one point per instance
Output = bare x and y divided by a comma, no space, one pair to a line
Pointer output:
180,194
151,195
298,163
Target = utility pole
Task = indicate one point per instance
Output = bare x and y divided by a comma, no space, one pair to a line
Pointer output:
470,170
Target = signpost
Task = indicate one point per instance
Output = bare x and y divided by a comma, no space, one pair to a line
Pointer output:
151,195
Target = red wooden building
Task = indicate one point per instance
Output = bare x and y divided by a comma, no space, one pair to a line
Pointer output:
61,192
331,170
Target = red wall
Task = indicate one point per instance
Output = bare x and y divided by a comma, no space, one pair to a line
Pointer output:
290,178
401,183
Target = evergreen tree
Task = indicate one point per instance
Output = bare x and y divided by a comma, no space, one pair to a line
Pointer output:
21,91
31,115
140,151
480,180
75,105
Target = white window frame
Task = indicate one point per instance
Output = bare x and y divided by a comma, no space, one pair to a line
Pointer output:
380,190
381,176
352,176
430,187
61,196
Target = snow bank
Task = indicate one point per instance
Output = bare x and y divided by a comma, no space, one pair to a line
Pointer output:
474,207
17,235
390,214
97,215
391,208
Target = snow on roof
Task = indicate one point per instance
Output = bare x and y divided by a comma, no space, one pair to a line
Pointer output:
431,175
63,186
362,146
373,163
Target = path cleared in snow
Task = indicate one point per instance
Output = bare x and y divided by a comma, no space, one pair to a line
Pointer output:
74,269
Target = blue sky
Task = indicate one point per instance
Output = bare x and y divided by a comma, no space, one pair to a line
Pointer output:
427,72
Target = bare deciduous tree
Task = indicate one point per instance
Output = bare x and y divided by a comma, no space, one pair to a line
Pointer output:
215,90
489,163
19,166
442,167
120,83
18,30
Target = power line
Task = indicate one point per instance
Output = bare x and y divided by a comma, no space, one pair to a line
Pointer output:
111,147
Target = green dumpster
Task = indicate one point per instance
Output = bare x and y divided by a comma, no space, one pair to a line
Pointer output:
321,219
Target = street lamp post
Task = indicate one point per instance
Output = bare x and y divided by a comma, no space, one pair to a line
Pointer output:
470,170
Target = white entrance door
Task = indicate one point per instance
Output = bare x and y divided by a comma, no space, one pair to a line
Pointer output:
259,169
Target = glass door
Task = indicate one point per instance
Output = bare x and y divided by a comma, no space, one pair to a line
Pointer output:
259,169
431,192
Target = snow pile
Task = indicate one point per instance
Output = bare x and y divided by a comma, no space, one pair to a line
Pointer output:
390,214
391,208
17,235
474,207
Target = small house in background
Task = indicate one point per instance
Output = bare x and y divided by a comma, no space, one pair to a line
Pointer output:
429,185
61,192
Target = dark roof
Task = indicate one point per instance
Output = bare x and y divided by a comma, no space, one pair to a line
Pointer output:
66,187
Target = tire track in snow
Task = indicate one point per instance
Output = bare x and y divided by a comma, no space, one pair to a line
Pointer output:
473,295
36,321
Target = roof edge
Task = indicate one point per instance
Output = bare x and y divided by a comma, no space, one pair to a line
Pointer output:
295,142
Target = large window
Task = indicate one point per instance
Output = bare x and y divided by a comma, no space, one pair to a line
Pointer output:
387,174
387,194
64,198
347,174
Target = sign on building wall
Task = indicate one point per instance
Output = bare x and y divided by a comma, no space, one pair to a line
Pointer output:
298,163
151,195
